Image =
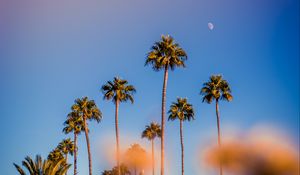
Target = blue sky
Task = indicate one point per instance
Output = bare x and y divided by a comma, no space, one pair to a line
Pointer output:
52,52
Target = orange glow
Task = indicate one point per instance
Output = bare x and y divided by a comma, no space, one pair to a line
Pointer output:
141,161
137,158
260,153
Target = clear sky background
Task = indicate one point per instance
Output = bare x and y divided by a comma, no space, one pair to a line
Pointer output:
52,52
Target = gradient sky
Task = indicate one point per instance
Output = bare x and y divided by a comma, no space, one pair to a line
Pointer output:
52,52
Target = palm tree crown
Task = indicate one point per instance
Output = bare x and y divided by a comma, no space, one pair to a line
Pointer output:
74,123
181,110
166,53
152,131
66,146
87,109
56,155
216,88
118,90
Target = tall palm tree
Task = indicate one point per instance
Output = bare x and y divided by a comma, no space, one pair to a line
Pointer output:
88,110
216,89
165,55
118,91
66,146
42,167
182,111
74,123
151,132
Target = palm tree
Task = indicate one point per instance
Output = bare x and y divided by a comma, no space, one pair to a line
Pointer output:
118,91
88,110
165,55
216,89
42,167
66,146
151,132
183,111
74,123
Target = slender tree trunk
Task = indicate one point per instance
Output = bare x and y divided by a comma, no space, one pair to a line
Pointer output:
152,144
182,148
163,108
75,154
219,132
88,145
66,158
117,136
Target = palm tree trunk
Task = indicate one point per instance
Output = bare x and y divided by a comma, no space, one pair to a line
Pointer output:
117,136
75,154
219,132
152,144
182,148
88,145
163,108
66,158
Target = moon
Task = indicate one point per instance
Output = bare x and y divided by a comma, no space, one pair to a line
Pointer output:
210,26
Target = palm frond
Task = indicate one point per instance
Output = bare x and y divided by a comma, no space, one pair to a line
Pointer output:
19,169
